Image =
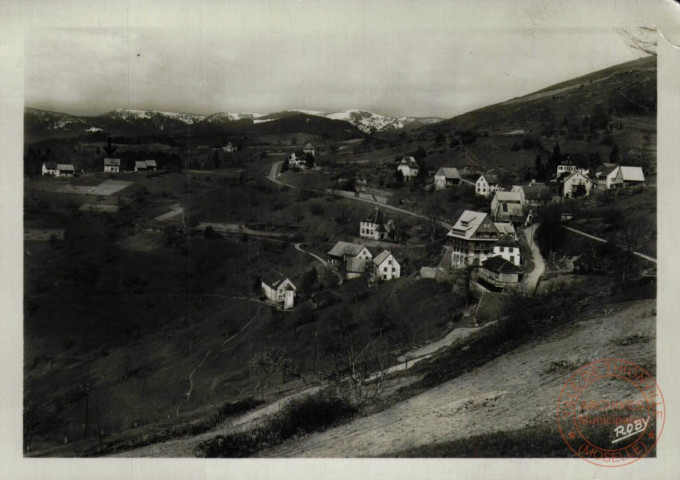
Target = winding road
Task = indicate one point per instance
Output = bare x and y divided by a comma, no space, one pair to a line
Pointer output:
531,279
276,170
602,240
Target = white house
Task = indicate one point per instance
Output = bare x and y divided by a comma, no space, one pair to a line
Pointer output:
112,165
632,175
230,148
574,182
508,249
564,168
296,161
507,206
446,176
609,177
472,238
58,169
386,267
309,148
373,227
486,185
49,168
278,289
140,166
408,167
533,195
352,255
151,165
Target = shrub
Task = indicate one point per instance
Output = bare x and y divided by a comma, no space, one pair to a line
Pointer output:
312,413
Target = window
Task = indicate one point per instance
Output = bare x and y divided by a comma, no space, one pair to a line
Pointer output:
385,269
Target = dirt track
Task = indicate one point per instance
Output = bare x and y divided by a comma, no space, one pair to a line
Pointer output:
511,392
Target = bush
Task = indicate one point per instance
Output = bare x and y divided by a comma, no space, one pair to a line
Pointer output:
312,413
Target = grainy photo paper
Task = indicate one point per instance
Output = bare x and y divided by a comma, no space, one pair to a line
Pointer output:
339,239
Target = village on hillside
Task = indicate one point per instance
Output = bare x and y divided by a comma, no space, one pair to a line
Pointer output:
336,283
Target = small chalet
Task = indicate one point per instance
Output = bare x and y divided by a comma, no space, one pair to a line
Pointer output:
608,176
508,248
472,236
49,168
278,289
445,177
386,267
499,273
374,227
309,148
507,207
230,148
140,166
576,184
112,165
486,185
409,167
350,255
151,165
534,195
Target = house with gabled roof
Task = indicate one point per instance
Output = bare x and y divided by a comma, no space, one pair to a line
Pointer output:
309,148
576,184
499,273
508,248
140,166
632,175
386,267
472,237
486,184
446,176
535,194
608,176
374,226
507,207
112,165
409,168
49,168
352,256
151,165
278,289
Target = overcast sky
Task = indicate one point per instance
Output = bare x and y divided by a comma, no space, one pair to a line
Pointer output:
420,58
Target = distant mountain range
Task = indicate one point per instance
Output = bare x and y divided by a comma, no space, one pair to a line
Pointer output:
41,124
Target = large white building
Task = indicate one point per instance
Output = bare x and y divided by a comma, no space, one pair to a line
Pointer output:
58,169
508,248
472,238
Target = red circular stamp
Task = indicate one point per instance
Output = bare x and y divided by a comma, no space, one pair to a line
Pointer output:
611,412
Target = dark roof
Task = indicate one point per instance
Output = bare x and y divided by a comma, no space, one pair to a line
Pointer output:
115,162
51,165
65,167
500,265
376,217
490,179
273,278
506,241
535,192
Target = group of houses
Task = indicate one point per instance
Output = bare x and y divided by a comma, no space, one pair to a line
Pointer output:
355,260
111,165
55,169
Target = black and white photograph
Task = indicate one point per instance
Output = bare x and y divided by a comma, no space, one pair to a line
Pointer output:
295,229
